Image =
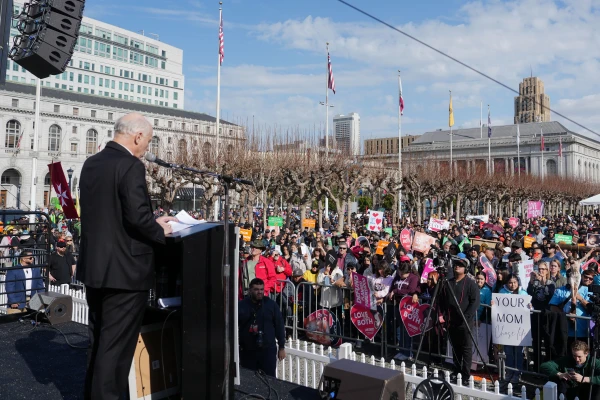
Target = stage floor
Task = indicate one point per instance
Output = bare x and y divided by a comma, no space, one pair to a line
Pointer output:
39,364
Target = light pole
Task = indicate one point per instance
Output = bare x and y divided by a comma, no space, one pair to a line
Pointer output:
70,174
327,106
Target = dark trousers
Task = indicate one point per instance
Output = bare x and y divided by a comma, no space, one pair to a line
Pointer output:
462,350
581,391
263,359
115,318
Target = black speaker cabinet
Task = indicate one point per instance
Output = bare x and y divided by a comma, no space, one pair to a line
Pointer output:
351,380
57,307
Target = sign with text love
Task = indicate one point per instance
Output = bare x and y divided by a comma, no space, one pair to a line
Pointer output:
427,269
367,321
375,221
422,242
406,239
362,291
514,222
246,234
535,209
511,320
525,270
413,316
436,225
381,245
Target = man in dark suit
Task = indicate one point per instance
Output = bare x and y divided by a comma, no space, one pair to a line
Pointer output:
22,282
118,231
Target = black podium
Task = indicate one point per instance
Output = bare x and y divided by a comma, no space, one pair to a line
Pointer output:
190,265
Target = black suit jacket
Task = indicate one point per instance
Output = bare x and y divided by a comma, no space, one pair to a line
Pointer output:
118,229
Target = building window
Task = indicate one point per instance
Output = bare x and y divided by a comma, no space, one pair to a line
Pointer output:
109,133
54,134
75,111
170,124
74,129
196,128
175,96
175,84
183,126
93,113
154,145
208,129
155,122
15,102
110,115
91,141
231,132
13,127
74,149
169,141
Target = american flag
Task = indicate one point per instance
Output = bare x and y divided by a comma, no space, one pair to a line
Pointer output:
401,98
221,42
19,142
489,124
330,81
542,145
560,146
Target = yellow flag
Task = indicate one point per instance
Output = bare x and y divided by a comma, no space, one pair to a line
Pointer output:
77,207
451,117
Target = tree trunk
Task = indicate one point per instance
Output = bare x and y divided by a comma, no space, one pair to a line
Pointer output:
340,213
458,200
320,209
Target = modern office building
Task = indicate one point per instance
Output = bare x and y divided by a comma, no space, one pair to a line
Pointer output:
388,145
116,63
346,129
532,104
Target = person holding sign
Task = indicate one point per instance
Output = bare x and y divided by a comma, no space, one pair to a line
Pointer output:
464,300
514,354
573,373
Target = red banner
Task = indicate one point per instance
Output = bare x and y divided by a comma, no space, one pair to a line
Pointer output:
367,321
59,182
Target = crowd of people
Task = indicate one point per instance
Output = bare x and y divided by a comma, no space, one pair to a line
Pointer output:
324,260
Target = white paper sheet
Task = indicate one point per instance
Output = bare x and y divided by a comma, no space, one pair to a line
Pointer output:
185,221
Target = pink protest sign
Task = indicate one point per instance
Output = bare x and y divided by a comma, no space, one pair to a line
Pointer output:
535,209
362,292
488,270
406,239
368,322
427,269
422,242
513,222
436,225
413,316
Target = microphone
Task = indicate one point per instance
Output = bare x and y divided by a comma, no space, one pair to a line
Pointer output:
152,158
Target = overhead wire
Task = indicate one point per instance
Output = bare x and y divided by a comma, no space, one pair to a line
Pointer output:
463,64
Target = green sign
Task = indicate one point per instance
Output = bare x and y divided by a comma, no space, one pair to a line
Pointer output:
388,230
566,239
275,221
55,203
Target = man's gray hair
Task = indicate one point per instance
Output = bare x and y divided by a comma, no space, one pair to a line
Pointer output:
130,125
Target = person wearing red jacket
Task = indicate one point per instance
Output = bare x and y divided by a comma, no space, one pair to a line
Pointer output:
257,266
283,270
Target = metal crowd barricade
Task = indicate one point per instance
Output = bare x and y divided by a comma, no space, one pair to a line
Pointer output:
24,255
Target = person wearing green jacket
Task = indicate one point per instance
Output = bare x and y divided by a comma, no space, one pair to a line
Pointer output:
573,373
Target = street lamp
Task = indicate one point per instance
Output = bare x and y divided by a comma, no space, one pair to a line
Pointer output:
70,174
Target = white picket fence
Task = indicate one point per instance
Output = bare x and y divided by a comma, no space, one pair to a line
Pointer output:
305,362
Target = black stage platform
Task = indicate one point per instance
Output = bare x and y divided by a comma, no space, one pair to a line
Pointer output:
39,364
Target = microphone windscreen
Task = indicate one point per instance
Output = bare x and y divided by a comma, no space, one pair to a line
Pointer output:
150,157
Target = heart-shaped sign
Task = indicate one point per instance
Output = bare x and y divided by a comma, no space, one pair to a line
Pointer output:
413,316
375,214
367,321
378,220
513,221
372,227
406,239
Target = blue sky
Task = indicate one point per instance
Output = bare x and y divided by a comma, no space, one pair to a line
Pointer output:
275,58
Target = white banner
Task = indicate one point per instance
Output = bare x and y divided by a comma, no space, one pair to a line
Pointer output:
511,320
375,221
436,225
484,218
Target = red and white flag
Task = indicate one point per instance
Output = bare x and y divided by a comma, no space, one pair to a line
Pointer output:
401,101
221,42
19,142
330,81
59,182
560,146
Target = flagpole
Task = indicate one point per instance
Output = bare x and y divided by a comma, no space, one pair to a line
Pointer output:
560,156
542,148
481,120
490,169
451,124
217,205
400,148
327,124
519,151
34,153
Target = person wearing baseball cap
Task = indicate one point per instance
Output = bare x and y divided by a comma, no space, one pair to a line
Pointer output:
466,293
257,266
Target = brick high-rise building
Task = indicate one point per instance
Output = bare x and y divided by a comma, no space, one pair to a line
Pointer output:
532,104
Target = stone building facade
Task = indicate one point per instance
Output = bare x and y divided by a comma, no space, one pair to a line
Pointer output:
532,104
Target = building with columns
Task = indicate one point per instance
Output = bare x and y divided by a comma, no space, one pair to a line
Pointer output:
580,157
75,126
